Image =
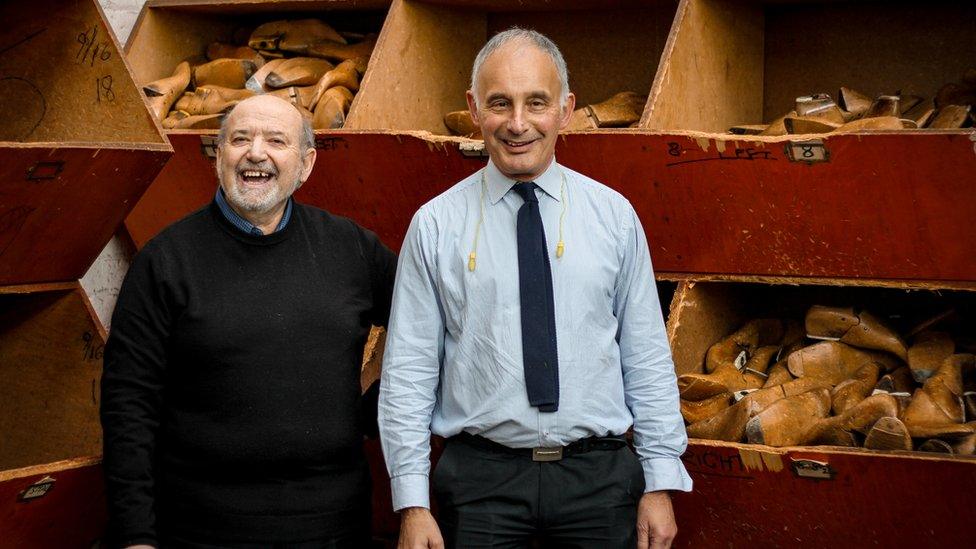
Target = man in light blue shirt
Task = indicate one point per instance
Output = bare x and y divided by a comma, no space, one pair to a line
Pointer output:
534,445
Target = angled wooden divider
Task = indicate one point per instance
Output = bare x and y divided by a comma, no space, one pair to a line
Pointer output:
78,145
51,345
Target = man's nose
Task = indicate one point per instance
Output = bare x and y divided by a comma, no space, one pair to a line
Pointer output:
516,122
257,150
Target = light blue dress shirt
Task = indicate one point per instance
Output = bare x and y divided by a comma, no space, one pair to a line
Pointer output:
453,357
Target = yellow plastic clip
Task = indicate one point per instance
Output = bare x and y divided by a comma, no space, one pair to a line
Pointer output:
559,249
471,257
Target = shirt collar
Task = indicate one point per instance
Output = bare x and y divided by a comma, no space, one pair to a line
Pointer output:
244,225
550,181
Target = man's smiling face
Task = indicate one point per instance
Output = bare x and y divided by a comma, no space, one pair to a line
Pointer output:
518,109
260,163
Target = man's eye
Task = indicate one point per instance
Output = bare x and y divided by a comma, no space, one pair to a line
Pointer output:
277,142
497,105
537,104
239,140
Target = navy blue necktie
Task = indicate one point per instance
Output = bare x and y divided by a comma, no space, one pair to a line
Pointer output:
539,358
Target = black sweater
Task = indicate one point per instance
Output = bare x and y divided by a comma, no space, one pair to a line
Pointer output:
230,394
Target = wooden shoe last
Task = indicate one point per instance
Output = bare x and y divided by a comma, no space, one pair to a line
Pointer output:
833,361
163,93
787,421
856,328
936,409
928,352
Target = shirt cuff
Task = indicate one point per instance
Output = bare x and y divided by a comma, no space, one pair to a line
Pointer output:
665,474
410,490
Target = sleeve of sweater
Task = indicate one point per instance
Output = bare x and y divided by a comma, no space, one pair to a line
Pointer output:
132,381
383,264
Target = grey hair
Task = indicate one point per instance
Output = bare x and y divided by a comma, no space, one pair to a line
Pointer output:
538,40
306,135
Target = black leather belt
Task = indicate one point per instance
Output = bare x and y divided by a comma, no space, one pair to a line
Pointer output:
544,453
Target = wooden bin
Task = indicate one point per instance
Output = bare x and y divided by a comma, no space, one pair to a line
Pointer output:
394,138
816,496
51,488
869,205
733,62
78,145
170,31
422,65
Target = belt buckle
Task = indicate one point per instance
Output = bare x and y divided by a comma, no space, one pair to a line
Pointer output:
547,454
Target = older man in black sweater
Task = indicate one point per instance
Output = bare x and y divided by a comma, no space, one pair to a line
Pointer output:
231,386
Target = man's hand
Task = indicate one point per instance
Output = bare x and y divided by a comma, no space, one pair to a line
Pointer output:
418,530
655,521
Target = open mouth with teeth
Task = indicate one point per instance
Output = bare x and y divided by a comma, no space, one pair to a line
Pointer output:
255,177
518,145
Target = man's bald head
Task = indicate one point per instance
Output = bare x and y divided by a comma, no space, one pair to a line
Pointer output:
272,104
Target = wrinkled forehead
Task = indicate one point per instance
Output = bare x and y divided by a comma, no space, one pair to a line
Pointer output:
264,117
518,62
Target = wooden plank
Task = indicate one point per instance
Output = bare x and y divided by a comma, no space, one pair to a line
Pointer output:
72,513
59,206
708,206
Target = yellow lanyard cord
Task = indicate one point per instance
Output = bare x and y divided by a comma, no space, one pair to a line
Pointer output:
560,246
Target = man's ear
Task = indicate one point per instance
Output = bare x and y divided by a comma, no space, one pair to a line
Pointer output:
568,109
472,107
308,162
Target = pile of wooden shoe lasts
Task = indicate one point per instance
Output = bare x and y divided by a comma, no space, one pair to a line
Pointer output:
954,106
845,378
619,111
303,61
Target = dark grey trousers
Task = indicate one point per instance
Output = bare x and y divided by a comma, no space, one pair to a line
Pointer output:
498,500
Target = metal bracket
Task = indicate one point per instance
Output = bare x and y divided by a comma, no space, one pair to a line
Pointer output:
814,470
45,170
740,360
810,152
37,490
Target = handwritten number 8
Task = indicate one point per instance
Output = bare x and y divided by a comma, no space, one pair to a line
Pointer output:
807,152
103,88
